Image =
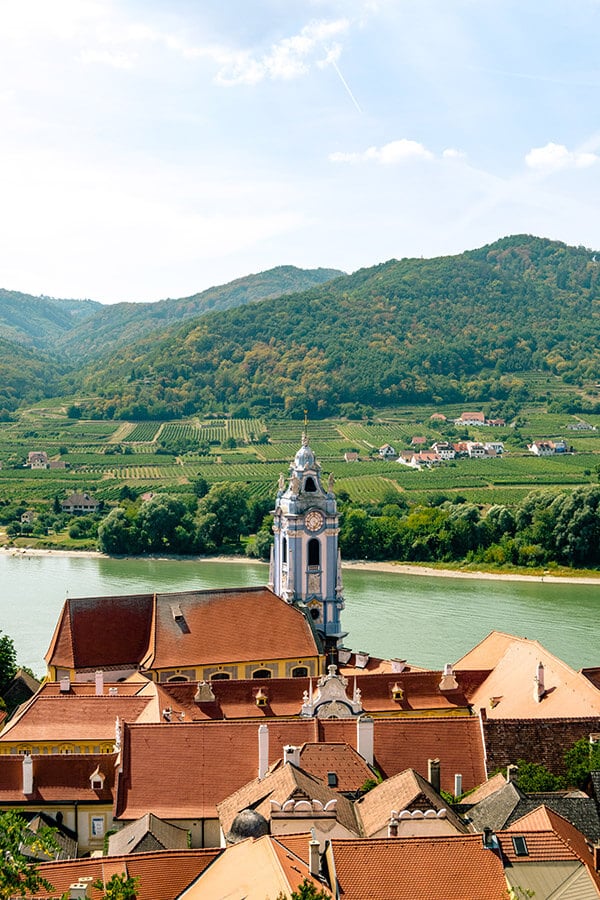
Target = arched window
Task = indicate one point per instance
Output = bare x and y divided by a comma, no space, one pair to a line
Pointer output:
284,550
309,485
300,672
177,678
220,676
262,673
314,552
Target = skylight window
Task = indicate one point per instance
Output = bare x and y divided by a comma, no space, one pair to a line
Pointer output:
520,846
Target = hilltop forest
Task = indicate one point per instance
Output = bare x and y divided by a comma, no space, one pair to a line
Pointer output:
447,330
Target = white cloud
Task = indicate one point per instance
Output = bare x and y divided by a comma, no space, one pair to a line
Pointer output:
289,58
108,58
389,154
453,153
553,157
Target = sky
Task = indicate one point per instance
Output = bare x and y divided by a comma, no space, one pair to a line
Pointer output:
154,148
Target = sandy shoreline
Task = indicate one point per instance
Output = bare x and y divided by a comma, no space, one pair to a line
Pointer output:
357,565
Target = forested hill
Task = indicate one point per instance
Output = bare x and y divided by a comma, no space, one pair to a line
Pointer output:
406,331
120,324
40,321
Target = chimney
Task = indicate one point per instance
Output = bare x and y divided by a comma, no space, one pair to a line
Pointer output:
263,750
27,775
457,785
448,682
291,755
314,857
596,852
539,688
365,738
78,890
433,774
65,684
393,827
512,773
99,683
398,665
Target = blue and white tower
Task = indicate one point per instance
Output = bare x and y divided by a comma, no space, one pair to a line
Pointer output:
305,564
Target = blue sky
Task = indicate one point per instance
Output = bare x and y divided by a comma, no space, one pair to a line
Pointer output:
152,148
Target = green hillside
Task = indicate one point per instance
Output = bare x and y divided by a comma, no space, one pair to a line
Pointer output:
451,329
40,321
121,324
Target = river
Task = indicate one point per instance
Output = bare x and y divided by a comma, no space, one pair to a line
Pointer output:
427,620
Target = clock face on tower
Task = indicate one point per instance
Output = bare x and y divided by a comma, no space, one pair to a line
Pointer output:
314,520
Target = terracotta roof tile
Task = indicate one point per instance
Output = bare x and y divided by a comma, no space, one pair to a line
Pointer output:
408,743
438,868
350,768
223,626
162,875
489,787
99,632
58,778
280,785
407,790
182,770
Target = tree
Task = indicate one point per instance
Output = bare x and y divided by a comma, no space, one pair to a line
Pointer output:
119,887
582,758
8,660
19,848
307,890
227,502
534,777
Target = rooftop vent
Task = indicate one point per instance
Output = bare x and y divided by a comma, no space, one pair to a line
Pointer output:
398,665
361,659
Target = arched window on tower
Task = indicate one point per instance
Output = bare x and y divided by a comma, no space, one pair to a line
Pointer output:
314,552
309,485
284,550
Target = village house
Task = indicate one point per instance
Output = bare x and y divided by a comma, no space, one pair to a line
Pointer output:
79,504
387,452
470,418
444,449
37,459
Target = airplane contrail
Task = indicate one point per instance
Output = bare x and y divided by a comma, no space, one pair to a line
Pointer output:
346,85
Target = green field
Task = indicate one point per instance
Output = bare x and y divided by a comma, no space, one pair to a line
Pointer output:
102,457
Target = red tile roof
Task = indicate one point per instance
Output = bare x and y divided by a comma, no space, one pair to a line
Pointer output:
350,768
99,632
408,743
437,868
58,778
162,876
227,626
183,770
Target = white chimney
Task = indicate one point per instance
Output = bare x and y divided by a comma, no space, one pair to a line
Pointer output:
539,688
398,665
448,682
291,755
393,827
457,785
365,734
263,750
99,683
27,775
78,890
65,684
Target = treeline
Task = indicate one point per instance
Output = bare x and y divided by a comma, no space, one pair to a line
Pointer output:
452,329
545,528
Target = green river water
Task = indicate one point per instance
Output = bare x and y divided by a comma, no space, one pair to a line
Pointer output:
427,620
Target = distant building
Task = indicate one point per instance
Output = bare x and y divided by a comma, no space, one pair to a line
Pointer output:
470,418
37,459
79,504
387,452
542,448
351,456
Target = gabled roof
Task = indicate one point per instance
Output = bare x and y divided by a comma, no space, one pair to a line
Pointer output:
489,787
349,767
437,868
283,783
161,833
514,661
180,629
162,875
102,632
203,632
58,778
254,870
399,793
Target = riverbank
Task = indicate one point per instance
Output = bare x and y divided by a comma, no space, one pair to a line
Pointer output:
356,565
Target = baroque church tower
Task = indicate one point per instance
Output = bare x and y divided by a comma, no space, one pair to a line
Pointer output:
305,562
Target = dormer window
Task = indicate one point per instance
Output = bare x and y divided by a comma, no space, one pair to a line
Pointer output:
97,780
